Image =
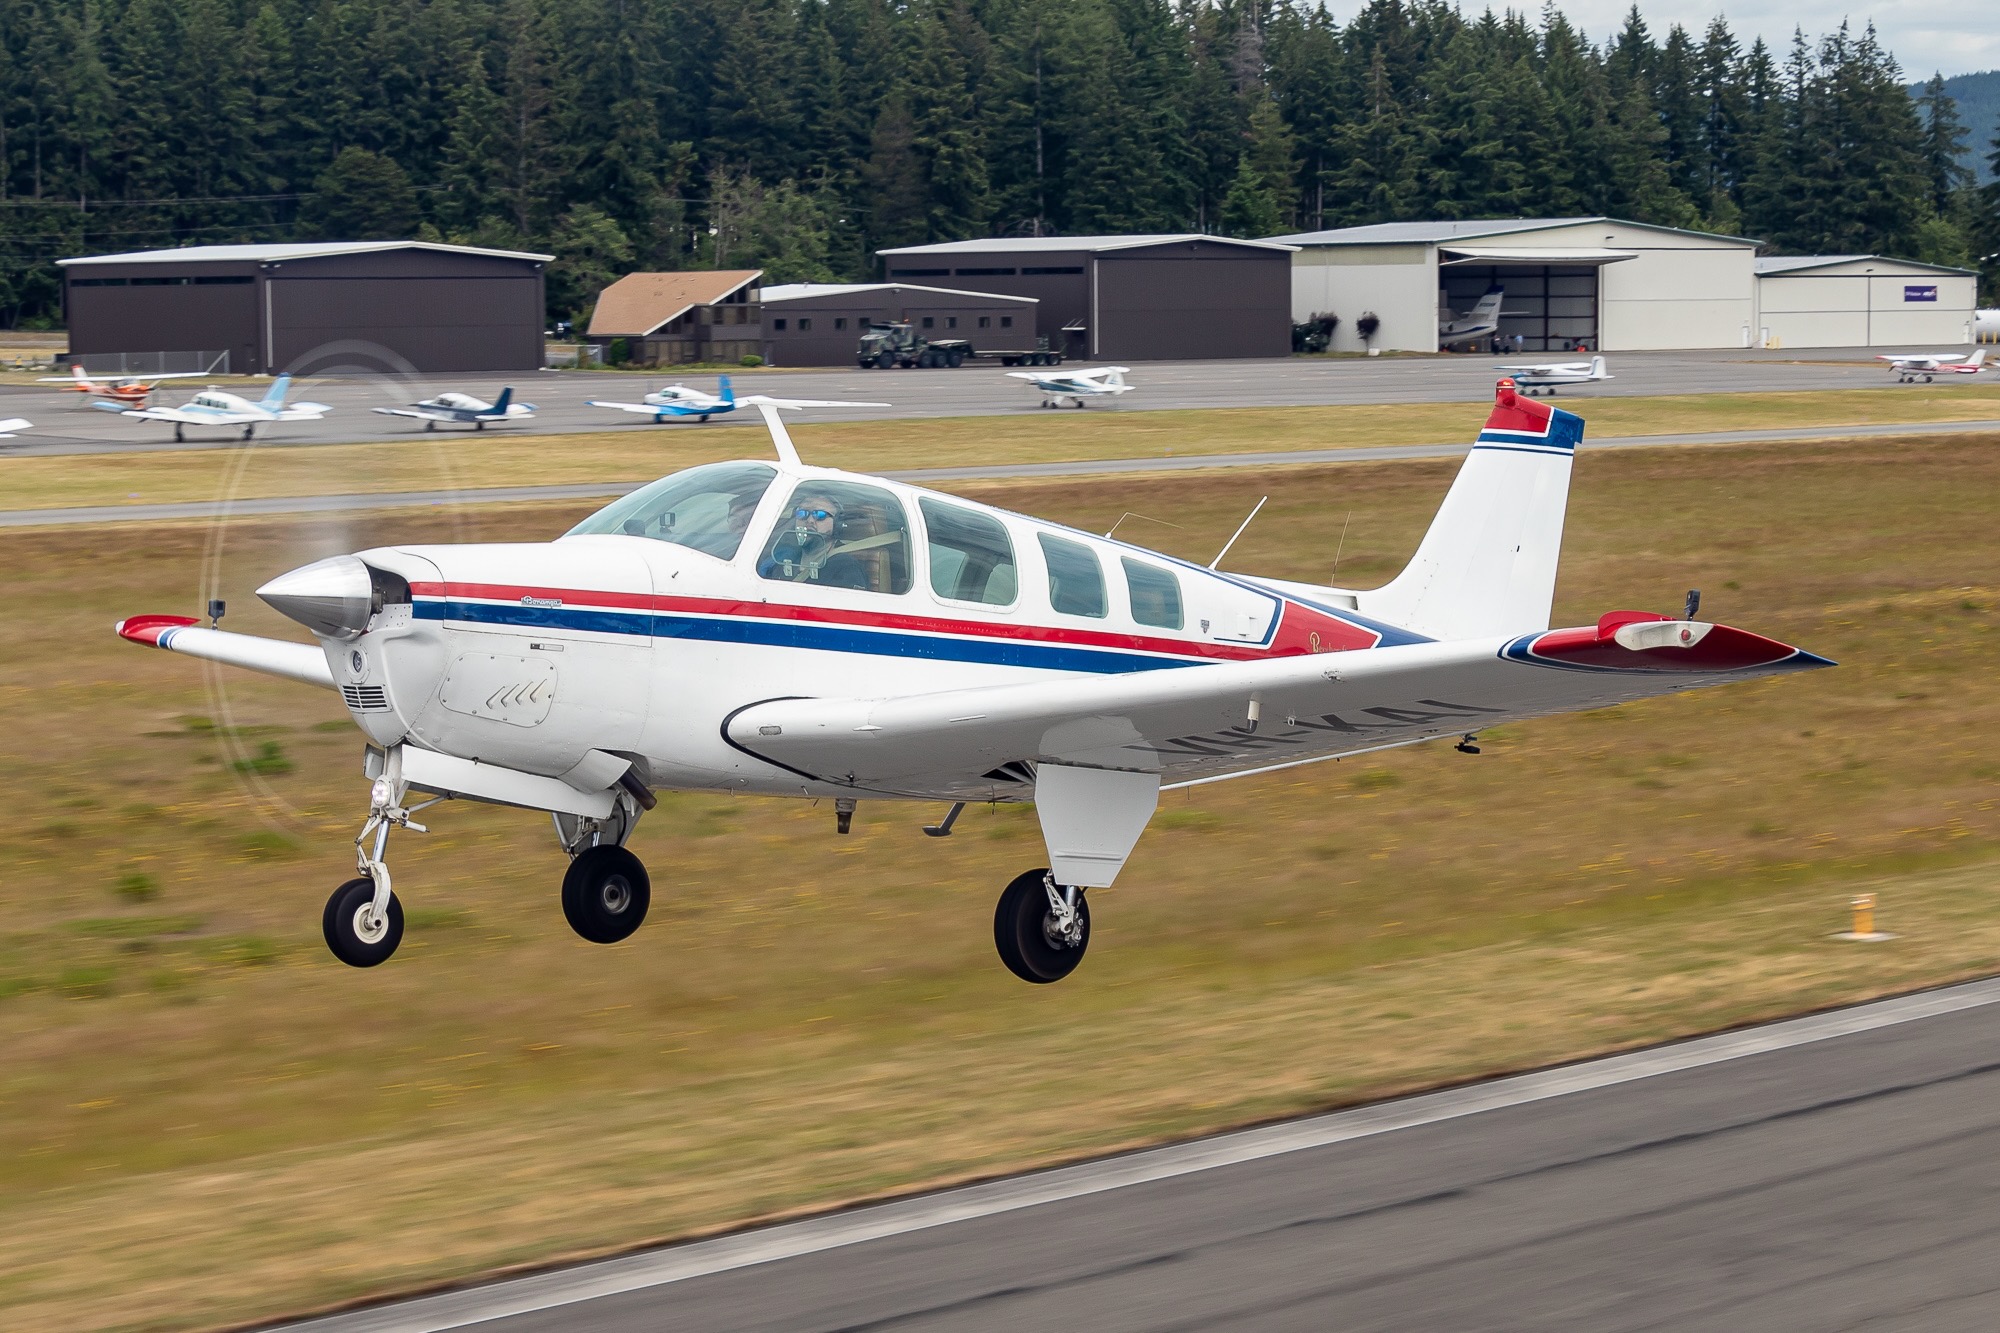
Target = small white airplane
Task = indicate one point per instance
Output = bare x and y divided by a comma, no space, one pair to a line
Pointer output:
770,628
1546,375
677,400
462,409
12,424
1074,386
1910,367
213,407
124,388
1482,321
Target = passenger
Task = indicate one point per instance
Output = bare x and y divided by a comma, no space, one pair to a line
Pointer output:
806,549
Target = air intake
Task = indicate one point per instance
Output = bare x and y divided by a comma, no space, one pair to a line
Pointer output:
365,698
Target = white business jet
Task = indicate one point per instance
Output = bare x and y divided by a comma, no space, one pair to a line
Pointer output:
1544,376
213,407
1482,321
462,409
1910,367
1074,386
767,627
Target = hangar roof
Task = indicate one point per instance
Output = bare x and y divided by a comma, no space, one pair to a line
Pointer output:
639,303
299,250
1780,265
1019,244
802,291
1434,233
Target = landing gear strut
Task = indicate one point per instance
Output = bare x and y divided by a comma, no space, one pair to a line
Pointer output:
1041,928
363,922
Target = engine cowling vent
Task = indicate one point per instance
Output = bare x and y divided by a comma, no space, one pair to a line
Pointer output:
365,698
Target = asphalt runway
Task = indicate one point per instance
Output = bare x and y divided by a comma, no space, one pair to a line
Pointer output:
65,423
942,476
1831,1172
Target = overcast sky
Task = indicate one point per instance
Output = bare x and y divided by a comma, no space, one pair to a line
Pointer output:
1955,36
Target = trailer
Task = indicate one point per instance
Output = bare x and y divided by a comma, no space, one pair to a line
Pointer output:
884,346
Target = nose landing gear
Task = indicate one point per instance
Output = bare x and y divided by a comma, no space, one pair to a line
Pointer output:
1041,928
363,922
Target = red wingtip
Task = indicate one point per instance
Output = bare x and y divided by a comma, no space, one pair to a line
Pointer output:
148,629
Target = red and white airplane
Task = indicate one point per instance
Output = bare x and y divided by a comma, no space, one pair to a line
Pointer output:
1909,367
786,630
126,389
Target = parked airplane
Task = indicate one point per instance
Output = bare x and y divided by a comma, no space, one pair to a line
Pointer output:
1074,386
1909,367
12,424
462,409
677,400
1546,375
778,629
123,388
213,407
1482,321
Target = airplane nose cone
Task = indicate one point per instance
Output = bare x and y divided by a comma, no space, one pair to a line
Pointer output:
333,598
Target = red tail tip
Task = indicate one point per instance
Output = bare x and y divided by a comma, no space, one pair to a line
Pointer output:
1503,392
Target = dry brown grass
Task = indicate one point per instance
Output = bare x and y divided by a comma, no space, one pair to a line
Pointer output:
204,1118
449,461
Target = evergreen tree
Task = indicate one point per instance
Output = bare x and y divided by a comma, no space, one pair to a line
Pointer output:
1942,146
361,196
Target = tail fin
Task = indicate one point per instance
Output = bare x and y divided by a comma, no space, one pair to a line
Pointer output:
76,369
506,397
1977,358
1487,567
728,394
1597,368
1489,304
1116,377
275,399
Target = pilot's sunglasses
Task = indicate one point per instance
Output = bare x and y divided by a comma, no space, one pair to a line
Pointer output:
817,514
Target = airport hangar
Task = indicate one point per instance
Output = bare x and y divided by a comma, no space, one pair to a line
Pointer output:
315,307
820,323
1184,297
1863,301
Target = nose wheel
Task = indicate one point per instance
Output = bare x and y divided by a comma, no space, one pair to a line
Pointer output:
1041,928
606,893
358,935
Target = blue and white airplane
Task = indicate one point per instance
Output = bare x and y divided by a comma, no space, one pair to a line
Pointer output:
677,400
213,407
462,409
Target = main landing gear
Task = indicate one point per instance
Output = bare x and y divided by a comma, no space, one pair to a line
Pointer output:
1041,928
606,891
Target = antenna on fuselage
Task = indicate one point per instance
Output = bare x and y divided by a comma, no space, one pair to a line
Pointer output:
1238,533
781,439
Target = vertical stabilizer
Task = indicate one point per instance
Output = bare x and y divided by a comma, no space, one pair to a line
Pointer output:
500,404
1487,567
728,393
275,399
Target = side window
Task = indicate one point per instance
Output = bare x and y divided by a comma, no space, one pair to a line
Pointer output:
838,534
1156,594
805,326
971,558
1076,581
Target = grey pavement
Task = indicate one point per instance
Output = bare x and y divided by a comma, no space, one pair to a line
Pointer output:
1831,1172
328,504
64,422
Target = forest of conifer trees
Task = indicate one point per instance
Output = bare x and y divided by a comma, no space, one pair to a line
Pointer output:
800,135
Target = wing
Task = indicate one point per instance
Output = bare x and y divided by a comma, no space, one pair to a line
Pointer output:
416,412
1204,722
12,424
181,416
647,409
303,662
302,412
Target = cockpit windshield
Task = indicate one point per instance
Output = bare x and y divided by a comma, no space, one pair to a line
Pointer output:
705,508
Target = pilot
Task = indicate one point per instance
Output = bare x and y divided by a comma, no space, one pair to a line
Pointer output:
807,550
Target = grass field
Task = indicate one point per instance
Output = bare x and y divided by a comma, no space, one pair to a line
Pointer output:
203,1118
428,462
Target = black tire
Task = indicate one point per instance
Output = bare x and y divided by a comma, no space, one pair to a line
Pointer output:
605,894
954,359
344,935
884,360
1021,936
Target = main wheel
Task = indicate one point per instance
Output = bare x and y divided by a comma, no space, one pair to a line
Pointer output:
1024,931
605,894
355,938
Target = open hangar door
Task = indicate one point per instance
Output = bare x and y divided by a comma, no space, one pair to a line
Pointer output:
1552,307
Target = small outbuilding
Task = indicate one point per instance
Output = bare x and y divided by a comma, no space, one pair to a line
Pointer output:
317,307
1603,283
1863,301
672,319
1182,297
820,323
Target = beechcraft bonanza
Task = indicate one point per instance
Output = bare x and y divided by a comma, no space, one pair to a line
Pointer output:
1075,386
677,400
123,389
462,409
1544,378
1482,321
213,407
784,630
1909,367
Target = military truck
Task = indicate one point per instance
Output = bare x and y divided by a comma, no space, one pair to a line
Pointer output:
899,344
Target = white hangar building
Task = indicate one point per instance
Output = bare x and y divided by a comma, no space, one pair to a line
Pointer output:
1863,301
1611,285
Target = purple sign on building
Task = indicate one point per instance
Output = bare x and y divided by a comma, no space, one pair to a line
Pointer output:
1920,293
